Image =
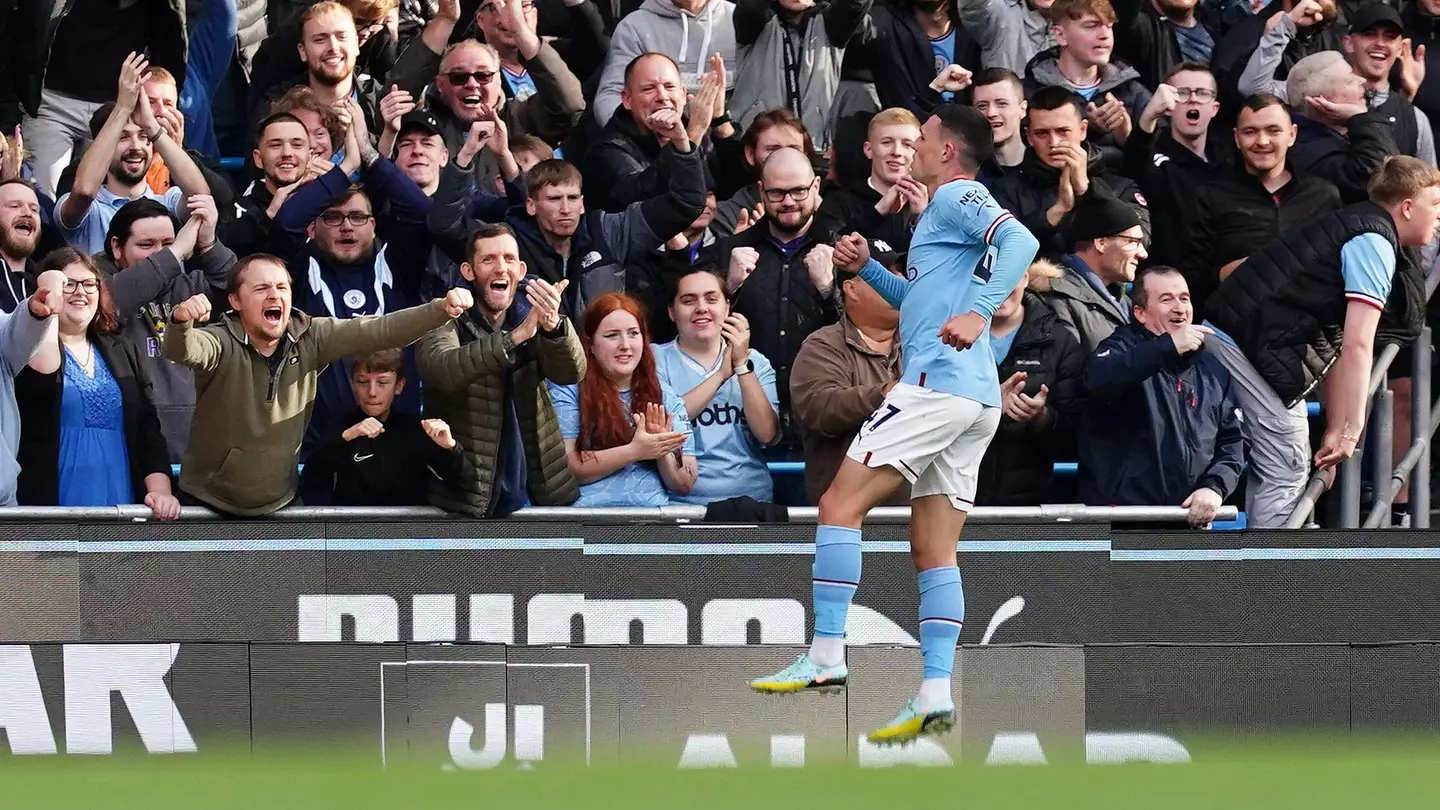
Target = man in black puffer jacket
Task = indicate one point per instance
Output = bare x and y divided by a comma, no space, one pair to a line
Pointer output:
1040,364
1286,311
1162,422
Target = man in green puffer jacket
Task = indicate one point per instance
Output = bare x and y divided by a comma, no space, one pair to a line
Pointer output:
255,381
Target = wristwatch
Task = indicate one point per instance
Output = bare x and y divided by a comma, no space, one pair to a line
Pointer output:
748,367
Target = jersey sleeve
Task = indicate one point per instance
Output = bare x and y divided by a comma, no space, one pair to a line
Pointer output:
974,211
1367,263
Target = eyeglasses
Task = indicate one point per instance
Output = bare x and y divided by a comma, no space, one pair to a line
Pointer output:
333,218
778,195
459,77
1197,93
89,285
1130,241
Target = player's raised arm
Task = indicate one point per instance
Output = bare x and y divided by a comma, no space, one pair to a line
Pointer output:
852,253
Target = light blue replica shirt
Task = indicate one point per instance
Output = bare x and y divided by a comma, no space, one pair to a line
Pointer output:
967,255
726,452
634,484
89,234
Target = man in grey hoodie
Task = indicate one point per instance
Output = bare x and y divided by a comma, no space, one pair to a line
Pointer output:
689,31
1011,32
22,333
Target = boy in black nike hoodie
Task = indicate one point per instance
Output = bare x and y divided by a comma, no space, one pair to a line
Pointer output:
374,456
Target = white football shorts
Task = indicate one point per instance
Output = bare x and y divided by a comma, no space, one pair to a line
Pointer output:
936,440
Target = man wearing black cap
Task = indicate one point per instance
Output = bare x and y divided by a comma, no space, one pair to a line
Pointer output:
1108,245
419,149
1373,45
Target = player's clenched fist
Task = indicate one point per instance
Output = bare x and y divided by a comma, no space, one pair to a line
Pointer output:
457,301
742,264
194,308
961,331
852,252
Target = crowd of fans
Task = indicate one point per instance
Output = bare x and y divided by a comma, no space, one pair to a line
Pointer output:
563,252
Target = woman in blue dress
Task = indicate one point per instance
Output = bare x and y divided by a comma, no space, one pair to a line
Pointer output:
89,433
627,438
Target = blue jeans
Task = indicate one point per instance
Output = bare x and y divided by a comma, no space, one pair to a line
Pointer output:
212,46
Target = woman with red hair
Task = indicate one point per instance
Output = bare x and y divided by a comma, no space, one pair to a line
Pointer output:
627,438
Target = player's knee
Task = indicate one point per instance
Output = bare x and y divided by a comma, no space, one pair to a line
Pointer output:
836,508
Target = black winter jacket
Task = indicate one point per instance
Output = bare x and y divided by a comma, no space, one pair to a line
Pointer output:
783,307
1345,160
1285,306
1146,39
1017,467
1157,425
623,166
1169,175
896,55
852,208
1028,191
392,469
1235,216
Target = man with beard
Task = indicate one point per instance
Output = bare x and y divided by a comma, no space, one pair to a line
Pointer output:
1057,172
1373,47
768,132
1012,32
1000,97
348,263
885,207
19,237
328,46
1156,35
255,381
1081,62
622,165
1246,206
486,376
1339,138
779,271
282,154
1172,163
1090,296
461,84
1243,39
112,171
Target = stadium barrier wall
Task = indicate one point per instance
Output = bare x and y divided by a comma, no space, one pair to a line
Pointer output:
475,707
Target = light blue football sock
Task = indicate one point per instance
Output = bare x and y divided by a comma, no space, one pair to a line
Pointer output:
942,612
836,575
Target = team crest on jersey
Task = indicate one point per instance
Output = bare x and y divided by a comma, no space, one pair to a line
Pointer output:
354,299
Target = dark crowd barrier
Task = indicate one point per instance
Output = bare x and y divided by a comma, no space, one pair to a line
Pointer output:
484,706
472,644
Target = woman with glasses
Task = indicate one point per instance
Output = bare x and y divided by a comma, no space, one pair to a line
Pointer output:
90,434
627,437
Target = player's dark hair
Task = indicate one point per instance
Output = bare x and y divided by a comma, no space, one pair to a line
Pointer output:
123,223
971,130
1139,296
1053,97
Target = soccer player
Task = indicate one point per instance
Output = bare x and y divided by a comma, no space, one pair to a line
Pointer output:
934,426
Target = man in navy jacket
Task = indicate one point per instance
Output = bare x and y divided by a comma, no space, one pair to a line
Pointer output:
1161,424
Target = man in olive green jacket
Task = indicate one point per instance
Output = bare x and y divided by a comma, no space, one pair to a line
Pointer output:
485,374
255,381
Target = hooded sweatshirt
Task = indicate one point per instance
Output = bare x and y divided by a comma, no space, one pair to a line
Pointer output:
662,27
1116,78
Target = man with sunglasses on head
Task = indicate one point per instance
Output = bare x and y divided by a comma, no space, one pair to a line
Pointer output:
345,261
462,84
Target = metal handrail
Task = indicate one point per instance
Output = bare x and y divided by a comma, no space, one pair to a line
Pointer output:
1418,447
1051,513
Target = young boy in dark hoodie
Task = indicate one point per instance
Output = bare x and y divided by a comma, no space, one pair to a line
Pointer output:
374,456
